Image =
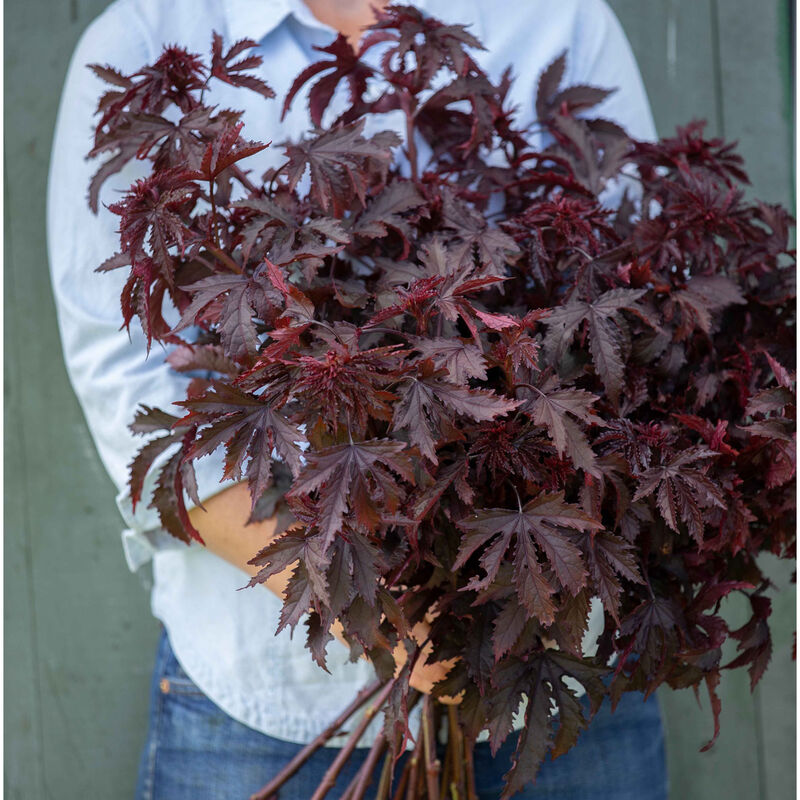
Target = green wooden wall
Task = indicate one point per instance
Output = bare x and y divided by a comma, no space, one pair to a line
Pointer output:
79,639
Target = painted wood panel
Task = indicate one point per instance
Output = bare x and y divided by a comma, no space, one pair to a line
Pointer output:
752,92
81,641
726,60
776,694
674,45
22,776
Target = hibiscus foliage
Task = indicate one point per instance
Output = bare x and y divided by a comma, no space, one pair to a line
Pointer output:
470,385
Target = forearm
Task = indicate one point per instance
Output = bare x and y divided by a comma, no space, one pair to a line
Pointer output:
226,534
223,526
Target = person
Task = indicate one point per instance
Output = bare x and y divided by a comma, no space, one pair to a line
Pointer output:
230,702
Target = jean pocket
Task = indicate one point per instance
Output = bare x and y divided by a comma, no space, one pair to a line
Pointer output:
173,678
176,684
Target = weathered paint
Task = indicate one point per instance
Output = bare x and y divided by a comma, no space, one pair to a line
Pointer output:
79,637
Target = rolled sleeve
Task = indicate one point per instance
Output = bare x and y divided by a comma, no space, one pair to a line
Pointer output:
144,535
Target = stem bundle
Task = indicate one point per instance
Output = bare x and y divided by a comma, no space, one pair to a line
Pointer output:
422,777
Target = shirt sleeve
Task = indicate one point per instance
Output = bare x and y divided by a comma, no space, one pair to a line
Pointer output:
108,368
600,55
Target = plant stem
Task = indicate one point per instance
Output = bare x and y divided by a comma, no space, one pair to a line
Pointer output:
272,179
472,792
414,766
403,782
432,765
411,145
222,256
329,778
385,782
214,231
582,252
360,783
459,752
447,767
244,180
268,791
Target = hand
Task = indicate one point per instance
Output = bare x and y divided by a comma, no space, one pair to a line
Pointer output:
426,673
223,526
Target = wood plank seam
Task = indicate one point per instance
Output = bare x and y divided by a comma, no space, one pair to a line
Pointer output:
719,100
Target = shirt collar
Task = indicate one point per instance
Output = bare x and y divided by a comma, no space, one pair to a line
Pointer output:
254,19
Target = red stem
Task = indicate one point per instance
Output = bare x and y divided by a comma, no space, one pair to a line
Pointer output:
214,231
432,765
245,181
268,790
358,786
472,792
411,145
414,762
403,782
222,256
275,175
329,778
385,782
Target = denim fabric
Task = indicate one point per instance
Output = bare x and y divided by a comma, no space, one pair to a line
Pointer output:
194,751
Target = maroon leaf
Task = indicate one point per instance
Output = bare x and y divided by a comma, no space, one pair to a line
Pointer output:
539,526
605,324
249,427
681,490
346,476
554,408
489,395
344,66
236,73
224,151
337,161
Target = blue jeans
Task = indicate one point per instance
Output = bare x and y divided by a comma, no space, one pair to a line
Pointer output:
194,750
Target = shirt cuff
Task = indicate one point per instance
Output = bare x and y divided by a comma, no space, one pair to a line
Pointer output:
144,536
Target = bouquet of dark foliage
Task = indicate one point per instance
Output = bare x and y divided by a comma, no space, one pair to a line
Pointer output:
472,394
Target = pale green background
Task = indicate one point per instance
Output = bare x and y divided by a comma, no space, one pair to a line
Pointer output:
79,639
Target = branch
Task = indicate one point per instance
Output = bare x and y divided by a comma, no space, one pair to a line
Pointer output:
245,181
456,746
414,766
432,765
269,790
329,778
385,782
469,752
399,792
362,779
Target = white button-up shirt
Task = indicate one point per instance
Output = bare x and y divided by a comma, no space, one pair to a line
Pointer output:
224,638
